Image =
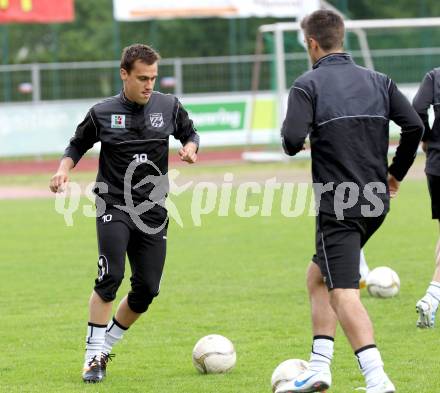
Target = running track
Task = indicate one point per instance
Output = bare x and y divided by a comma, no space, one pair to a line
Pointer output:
31,167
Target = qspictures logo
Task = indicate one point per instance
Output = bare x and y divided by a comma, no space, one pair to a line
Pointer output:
226,198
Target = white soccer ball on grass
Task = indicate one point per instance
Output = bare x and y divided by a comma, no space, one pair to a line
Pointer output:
287,371
383,282
214,354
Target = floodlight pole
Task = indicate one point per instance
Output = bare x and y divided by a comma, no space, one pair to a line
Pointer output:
259,46
365,48
281,73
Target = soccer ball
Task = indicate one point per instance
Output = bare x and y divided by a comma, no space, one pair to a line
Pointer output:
214,354
383,282
287,371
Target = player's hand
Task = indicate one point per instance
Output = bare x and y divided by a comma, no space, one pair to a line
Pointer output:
425,146
393,185
58,181
188,153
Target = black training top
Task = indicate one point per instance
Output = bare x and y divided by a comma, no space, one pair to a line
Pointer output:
429,94
134,146
346,109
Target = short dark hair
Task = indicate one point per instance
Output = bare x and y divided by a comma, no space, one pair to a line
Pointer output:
326,27
132,53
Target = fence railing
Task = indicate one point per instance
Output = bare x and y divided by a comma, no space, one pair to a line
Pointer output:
80,80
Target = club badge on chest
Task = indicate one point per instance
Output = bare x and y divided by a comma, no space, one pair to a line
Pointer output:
156,120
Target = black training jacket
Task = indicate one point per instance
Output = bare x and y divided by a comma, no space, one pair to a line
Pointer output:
134,146
429,94
345,109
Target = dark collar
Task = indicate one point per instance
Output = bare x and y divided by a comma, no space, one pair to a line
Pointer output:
333,58
133,106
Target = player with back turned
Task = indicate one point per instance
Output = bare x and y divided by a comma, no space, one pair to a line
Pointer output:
427,95
345,109
133,128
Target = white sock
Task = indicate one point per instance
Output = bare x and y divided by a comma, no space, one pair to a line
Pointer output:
363,266
94,339
114,333
434,291
371,365
322,353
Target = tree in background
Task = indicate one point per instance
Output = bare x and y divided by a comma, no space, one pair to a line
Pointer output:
96,36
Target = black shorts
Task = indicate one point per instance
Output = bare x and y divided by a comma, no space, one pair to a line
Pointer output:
338,247
118,236
434,191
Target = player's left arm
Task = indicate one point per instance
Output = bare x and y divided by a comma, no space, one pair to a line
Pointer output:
404,115
185,132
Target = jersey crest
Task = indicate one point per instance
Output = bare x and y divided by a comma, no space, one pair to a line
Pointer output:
156,119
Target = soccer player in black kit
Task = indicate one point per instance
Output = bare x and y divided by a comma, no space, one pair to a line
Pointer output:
134,129
345,109
429,95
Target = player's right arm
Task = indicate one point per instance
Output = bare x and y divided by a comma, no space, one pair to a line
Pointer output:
298,121
421,103
423,100
86,135
61,177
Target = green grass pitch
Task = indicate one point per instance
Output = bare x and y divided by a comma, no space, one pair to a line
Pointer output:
239,277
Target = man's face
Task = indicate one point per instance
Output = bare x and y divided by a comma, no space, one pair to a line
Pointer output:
139,82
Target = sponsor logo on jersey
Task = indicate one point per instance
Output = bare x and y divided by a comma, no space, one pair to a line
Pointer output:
118,121
156,119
